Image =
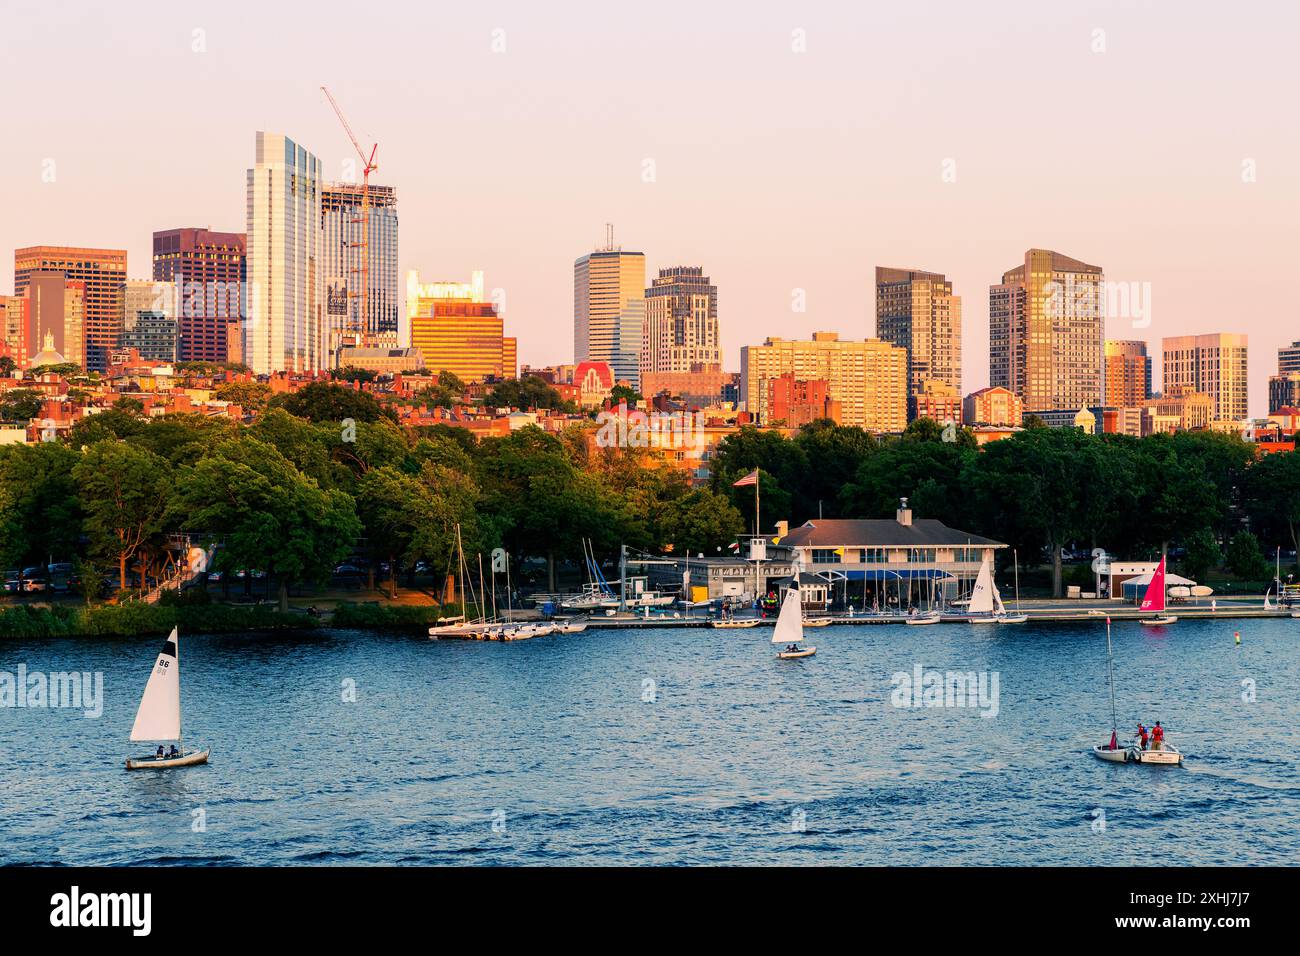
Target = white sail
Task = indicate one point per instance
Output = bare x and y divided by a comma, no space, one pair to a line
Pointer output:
981,595
998,607
159,717
789,624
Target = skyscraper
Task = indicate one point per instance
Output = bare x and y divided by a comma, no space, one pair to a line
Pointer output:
457,330
284,329
1128,373
609,309
1288,359
344,250
55,307
102,273
918,312
1214,365
1046,328
13,328
149,324
681,323
867,378
207,270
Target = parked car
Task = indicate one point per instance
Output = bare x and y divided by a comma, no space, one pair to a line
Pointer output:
13,582
35,579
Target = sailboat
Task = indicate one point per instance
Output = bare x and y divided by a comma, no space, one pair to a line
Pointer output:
789,627
1112,751
986,605
159,716
1154,599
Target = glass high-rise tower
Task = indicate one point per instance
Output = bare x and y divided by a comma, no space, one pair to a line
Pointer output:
609,310
285,325
344,248
918,312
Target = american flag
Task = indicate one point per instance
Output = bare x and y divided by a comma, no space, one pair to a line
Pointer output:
749,479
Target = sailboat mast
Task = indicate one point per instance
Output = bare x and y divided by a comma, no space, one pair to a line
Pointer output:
1015,559
1110,671
510,596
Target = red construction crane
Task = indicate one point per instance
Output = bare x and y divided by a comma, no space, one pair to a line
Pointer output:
367,167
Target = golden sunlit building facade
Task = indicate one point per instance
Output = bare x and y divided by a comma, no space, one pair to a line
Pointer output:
1214,365
456,329
868,378
917,311
102,275
1046,332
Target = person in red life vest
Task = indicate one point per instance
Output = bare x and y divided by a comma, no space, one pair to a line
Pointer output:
1142,736
1114,741
1157,736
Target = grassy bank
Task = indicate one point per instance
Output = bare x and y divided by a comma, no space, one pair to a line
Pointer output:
132,620
386,616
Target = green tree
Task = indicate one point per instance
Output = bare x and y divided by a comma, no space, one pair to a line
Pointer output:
530,392
701,522
251,396
270,515
124,493
20,405
1245,560
329,402
40,511
1272,496
1202,554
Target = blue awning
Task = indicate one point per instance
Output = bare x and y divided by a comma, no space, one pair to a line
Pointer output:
885,576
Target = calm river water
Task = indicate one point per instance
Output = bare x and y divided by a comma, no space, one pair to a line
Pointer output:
668,747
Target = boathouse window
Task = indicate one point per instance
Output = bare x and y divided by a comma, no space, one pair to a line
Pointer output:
825,556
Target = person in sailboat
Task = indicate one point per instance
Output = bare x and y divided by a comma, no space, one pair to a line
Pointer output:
1142,735
1157,736
159,754
173,753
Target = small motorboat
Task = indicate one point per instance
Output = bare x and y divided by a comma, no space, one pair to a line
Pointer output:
1160,620
572,627
750,622
1013,619
796,654
923,619
1119,754
1168,755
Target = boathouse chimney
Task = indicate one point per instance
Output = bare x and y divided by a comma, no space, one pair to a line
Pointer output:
904,513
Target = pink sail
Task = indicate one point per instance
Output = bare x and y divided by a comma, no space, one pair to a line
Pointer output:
1154,599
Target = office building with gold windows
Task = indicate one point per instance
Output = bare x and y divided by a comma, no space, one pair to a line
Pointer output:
102,275
1046,332
1214,365
456,329
868,378
917,311
1128,373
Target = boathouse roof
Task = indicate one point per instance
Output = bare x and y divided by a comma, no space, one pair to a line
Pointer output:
881,533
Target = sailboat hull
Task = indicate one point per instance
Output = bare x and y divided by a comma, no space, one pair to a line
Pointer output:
795,655
1160,620
1118,755
1167,755
190,759
923,620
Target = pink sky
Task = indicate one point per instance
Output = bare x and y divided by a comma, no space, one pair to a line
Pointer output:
774,170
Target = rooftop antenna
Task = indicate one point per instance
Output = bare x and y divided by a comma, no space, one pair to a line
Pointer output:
609,237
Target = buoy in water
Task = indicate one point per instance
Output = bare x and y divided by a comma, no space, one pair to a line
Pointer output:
1237,635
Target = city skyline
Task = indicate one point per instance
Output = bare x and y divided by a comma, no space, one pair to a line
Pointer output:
783,213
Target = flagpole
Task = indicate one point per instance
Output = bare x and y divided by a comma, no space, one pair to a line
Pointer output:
758,524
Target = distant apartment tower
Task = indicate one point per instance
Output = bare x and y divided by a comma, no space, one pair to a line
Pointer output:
149,325
1046,328
344,249
1288,359
54,315
917,311
1214,365
795,402
207,271
1128,373
681,323
101,273
609,310
867,378
457,330
13,329
994,405
284,328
